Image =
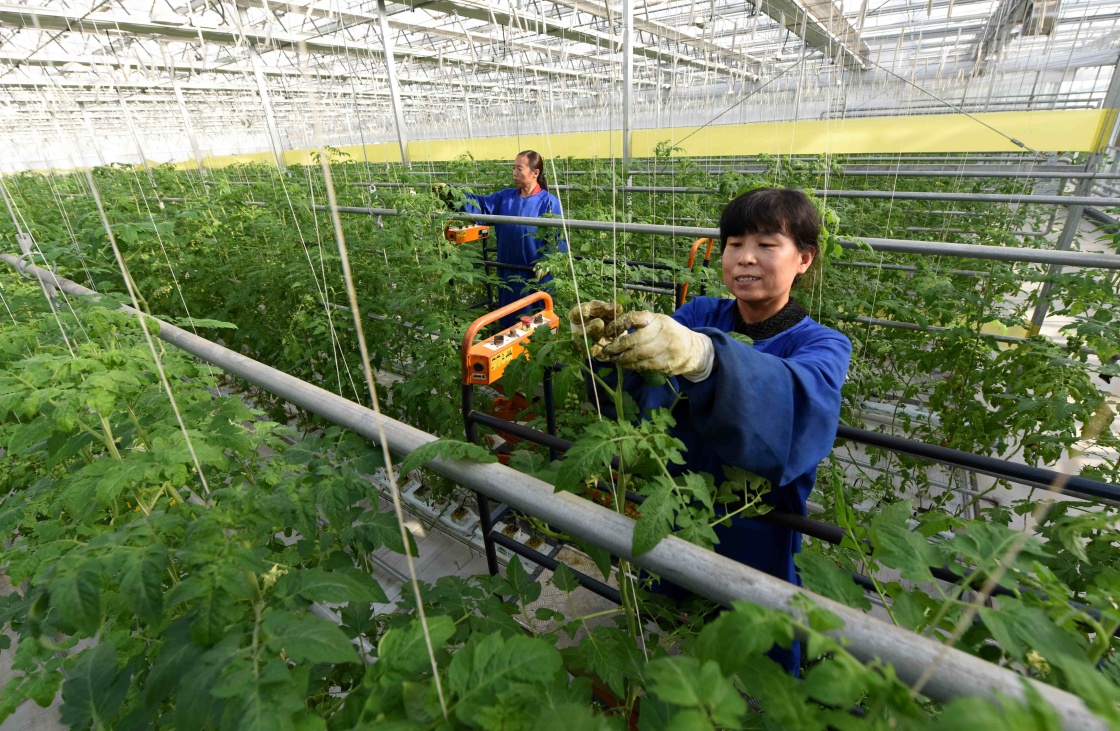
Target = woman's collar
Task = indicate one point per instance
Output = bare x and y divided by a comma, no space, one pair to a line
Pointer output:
776,324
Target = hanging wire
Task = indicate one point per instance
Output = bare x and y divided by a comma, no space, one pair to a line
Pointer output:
128,283
371,384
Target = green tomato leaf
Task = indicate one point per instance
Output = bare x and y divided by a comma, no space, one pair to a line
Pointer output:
823,576
94,688
405,650
446,449
307,638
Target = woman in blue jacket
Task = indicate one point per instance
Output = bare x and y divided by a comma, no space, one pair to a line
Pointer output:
771,408
519,245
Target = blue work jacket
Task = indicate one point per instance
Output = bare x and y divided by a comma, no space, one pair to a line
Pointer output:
771,408
517,244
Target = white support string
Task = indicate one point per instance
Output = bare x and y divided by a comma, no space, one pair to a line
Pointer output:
371,384
128,283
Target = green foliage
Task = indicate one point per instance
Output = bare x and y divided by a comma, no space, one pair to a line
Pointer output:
154,600
446,449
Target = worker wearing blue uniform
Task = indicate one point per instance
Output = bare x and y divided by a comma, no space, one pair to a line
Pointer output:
771,408
519,245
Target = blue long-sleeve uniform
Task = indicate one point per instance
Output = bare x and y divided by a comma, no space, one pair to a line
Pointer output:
771,408
517,245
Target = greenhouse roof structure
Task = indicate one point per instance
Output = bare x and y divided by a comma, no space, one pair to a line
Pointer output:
139,71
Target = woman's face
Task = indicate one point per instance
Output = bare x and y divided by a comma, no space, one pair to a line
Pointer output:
759,270
523,175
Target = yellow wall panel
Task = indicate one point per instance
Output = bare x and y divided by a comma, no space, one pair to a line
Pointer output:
1050,131
574,144
374,153
1063,130
223,161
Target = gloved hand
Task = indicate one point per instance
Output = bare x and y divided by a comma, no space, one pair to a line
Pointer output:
443,191
658,343
590,320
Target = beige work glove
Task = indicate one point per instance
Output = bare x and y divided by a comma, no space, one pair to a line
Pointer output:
658,343
589,321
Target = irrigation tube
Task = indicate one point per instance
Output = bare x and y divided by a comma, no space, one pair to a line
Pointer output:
904,172
1052,200
902,246
694,568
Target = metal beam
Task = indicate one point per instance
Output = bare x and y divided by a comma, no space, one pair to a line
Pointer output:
729,56
270,118
390,65
826,29
313,74
955,674
627,78
182,104
558,29
25,17
1085,185
997,29
351,19
92,135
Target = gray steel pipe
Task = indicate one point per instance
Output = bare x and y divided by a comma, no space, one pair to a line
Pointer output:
900,246
1012,174
708,574
1054,200
1015,174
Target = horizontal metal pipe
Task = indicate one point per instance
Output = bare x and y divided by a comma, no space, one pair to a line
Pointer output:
903,172
995,253
791,521
1010,174
904,268
1034,476
930,328
606,591
1101,217
1053,200
927,229
1023,199
696,569
899,246
992,466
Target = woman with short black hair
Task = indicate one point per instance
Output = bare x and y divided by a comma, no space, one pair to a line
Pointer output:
771,408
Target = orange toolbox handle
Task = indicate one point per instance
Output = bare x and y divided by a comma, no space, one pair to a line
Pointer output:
511,308
692,260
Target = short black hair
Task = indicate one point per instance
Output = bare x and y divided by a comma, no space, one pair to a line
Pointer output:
773,211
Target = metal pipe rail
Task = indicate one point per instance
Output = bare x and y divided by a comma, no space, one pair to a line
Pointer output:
1052,200
1010,173
696,569
898,246
999,468
1023,199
